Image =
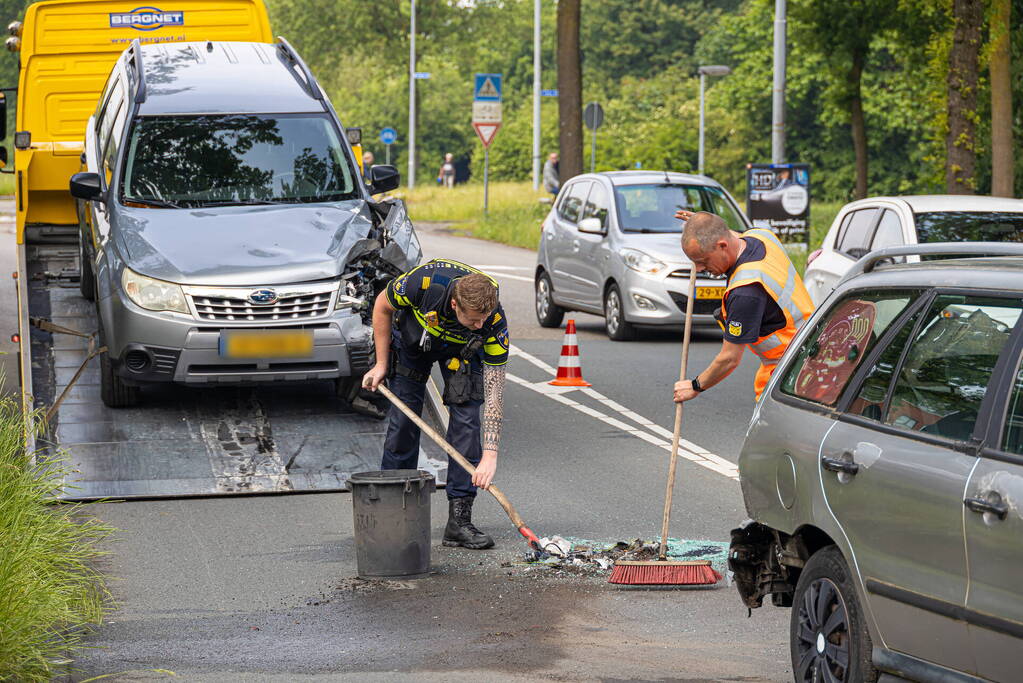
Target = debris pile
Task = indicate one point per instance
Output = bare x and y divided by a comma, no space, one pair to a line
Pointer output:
579,556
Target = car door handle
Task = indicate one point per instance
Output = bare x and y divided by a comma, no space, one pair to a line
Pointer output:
981,505
836,465
575,245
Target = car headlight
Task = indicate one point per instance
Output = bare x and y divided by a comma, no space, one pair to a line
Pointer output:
347,302
152,294
641,262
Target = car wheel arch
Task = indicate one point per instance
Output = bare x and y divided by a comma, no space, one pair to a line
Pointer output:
768,561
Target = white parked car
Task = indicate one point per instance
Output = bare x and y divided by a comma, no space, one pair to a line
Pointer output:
870,224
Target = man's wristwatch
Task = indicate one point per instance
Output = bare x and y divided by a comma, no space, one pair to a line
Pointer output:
695,381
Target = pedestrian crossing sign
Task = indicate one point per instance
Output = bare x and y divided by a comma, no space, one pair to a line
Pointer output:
488,88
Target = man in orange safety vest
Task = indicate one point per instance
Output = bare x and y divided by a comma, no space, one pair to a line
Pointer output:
764,305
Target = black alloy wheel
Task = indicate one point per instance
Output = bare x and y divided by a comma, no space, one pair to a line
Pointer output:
829,641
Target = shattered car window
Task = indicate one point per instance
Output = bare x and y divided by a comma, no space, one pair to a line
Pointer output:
212,160
943,380
839,343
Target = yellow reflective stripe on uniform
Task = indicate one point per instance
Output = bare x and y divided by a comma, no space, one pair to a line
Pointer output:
401,299
492,348
435,331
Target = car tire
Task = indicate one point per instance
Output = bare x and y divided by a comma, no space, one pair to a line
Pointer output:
87,277
548,313
827,624
114,392
618,328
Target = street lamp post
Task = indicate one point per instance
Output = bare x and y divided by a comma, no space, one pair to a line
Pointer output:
704,71
412,97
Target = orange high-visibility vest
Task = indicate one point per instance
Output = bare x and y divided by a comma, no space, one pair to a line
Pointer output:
779,278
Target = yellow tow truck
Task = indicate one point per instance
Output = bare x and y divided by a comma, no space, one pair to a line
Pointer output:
186,441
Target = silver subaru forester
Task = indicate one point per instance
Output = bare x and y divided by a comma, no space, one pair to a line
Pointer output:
883,473
612,246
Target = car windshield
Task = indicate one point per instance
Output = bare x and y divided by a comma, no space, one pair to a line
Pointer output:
190,161
651,208
969,226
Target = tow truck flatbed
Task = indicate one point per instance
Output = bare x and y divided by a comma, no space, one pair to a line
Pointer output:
184,440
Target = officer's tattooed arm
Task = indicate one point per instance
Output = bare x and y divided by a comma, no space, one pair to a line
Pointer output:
493,406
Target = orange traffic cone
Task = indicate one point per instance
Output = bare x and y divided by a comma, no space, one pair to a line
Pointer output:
570,374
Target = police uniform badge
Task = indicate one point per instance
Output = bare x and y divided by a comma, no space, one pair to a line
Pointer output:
735,328
399,286
432,319
502,339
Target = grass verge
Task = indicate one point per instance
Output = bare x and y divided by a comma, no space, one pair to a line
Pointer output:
50,593
513,217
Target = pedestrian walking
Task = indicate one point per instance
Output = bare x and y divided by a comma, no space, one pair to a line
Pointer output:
448,313
367,162
551,182
765,302
446,174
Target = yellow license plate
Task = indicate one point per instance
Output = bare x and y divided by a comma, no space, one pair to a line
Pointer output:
710,292
266,344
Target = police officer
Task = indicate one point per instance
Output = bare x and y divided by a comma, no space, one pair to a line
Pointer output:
765,302
448,313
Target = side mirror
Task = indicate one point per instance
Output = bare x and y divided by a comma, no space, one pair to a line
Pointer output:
87,186
591,225
383,178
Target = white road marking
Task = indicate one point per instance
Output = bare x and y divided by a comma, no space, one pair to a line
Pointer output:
690,451
516,351
512,277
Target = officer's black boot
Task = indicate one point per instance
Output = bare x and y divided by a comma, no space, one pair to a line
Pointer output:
460,531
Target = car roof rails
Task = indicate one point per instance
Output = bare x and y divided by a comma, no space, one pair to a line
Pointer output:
289,54
874,258
140,73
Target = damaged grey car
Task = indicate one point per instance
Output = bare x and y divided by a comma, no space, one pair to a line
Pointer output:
883,473
227,235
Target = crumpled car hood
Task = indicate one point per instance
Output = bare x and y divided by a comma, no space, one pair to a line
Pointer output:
241,245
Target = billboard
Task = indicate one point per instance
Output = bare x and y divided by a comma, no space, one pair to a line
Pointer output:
778,197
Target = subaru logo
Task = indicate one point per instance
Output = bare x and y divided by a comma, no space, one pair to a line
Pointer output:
263,297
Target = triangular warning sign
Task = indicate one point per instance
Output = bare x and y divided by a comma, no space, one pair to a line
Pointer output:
486,132
488,90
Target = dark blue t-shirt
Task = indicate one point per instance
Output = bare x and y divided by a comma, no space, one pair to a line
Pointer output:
750,311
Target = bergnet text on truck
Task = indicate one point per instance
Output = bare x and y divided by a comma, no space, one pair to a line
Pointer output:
217,215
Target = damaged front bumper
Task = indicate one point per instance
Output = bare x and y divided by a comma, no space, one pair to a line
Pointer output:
765,561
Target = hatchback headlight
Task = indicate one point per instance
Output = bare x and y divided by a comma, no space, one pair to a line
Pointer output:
153,294
641,262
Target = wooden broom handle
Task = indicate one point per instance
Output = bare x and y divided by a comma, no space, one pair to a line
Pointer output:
677,434
450,450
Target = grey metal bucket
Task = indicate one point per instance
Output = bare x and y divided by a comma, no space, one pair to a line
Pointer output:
391,515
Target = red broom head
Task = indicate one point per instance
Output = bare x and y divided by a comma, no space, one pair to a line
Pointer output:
664,574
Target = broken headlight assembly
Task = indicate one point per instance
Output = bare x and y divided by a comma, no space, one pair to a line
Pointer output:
348,298
152,294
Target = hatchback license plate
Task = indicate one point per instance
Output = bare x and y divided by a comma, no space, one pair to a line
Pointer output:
266,344
710,292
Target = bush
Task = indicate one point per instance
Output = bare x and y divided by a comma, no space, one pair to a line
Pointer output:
49,592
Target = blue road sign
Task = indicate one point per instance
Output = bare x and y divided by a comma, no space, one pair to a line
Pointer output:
488,88
421,75
549,93
388,136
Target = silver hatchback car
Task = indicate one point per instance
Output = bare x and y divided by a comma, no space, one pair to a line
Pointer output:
611,246
883,473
